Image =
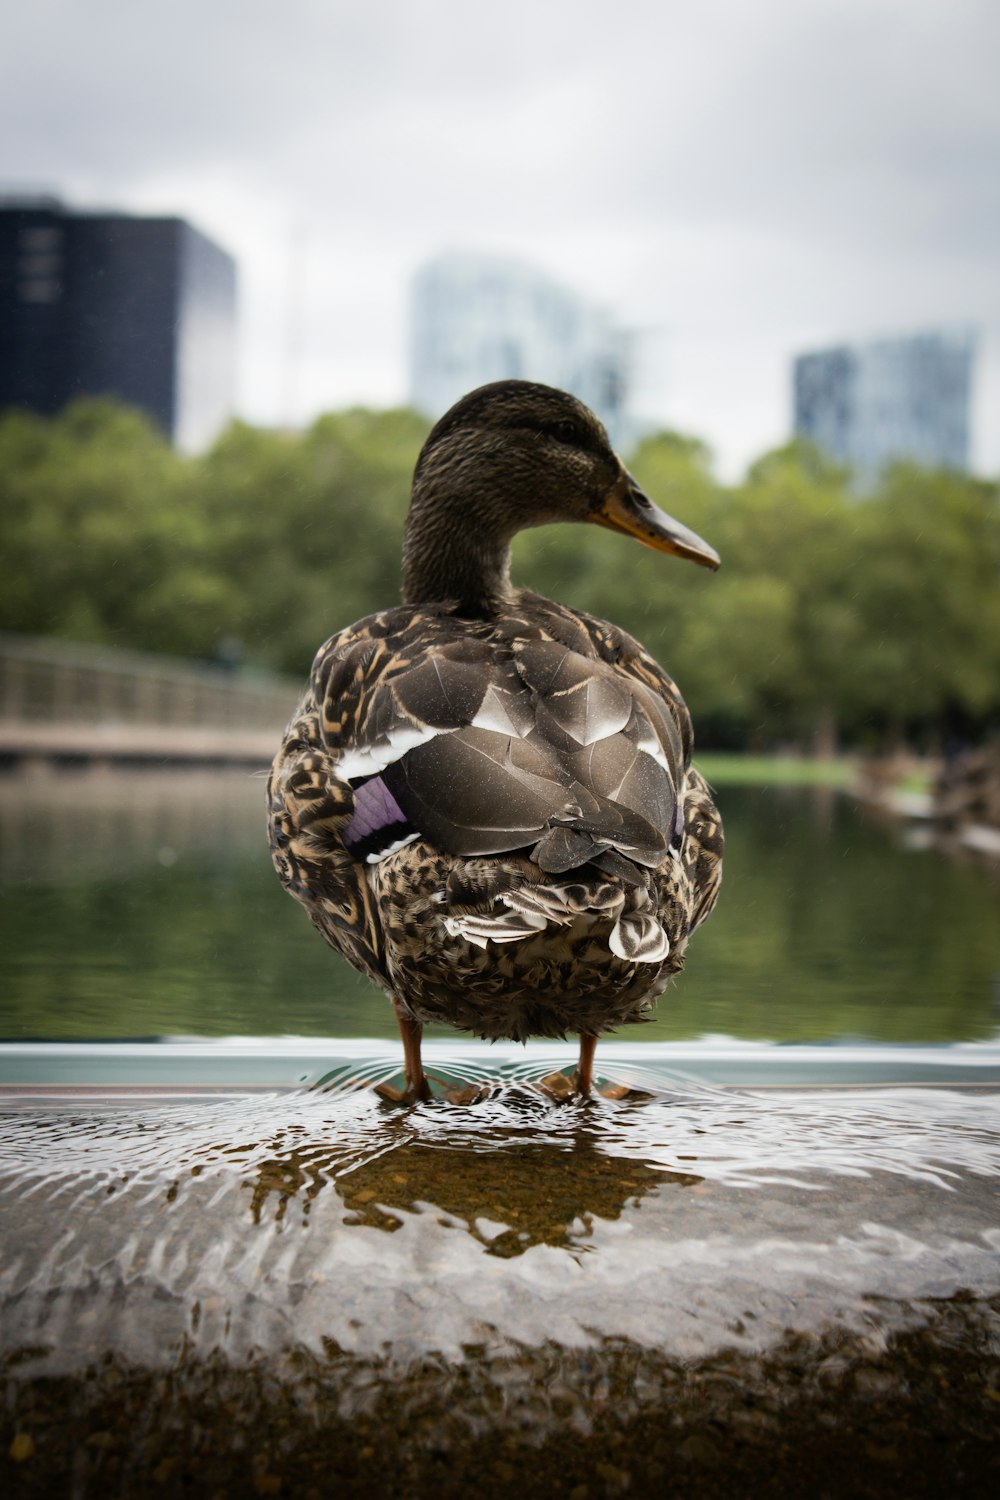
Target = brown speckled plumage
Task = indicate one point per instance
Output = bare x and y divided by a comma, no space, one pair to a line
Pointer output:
556,848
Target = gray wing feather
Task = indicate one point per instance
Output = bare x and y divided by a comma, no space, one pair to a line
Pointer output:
490,747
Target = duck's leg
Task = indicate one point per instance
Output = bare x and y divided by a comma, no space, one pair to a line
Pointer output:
585,1073
411,1031
417,1086
585,1067
560,1088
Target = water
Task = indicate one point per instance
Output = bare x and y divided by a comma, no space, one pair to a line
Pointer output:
236,1223
146,906
319,1289
228,1268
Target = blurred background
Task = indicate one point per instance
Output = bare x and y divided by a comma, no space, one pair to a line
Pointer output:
246,260
763,242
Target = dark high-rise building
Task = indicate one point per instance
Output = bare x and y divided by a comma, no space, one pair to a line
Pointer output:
901,398
106,304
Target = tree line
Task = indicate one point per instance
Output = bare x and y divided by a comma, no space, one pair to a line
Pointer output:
835,618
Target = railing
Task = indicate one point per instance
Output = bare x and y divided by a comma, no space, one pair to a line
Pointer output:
50,681
60,700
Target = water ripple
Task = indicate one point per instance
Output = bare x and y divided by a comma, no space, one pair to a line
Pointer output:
691,1220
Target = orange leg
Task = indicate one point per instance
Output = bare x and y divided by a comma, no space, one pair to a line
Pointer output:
585,1067
417,1086
560,1088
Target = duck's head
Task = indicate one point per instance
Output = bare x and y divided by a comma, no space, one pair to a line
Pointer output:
508,456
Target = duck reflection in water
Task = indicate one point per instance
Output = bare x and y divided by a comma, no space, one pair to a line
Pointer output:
486,800
509,1192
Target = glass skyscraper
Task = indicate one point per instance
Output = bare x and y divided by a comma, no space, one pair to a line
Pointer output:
901,398
479,318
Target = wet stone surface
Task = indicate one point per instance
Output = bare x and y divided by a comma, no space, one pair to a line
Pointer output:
701,1292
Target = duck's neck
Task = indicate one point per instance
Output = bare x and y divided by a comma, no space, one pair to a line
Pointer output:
454,550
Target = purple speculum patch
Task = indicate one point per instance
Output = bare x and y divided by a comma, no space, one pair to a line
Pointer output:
378,819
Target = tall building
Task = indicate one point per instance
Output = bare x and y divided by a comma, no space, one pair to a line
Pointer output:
477,318
901,398
106,304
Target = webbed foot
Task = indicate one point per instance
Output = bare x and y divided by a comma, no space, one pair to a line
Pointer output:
559,1088
623,1091
413,1093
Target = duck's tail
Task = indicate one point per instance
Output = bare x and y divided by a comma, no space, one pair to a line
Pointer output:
483,908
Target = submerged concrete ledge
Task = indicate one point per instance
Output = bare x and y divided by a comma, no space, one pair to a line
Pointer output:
838,1416
703,1291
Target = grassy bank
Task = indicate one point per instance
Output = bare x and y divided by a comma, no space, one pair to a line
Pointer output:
722,769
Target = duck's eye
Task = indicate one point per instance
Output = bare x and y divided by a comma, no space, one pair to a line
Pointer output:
566,432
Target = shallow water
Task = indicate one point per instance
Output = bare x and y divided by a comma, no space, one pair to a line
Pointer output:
690,1221
419,1282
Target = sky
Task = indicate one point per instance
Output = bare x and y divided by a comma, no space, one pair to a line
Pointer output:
736,181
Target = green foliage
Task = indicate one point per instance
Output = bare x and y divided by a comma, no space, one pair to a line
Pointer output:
875,618
306,529
92,525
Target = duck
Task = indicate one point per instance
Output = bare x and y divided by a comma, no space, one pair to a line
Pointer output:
485,800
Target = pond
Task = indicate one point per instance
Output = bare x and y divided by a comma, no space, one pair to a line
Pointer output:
228,1268
146,906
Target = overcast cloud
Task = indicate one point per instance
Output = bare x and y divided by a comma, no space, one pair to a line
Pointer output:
736,181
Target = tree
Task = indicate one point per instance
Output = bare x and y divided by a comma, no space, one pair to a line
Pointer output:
928,599
98,541
832,616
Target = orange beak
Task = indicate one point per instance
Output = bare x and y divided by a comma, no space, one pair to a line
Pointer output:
626,509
